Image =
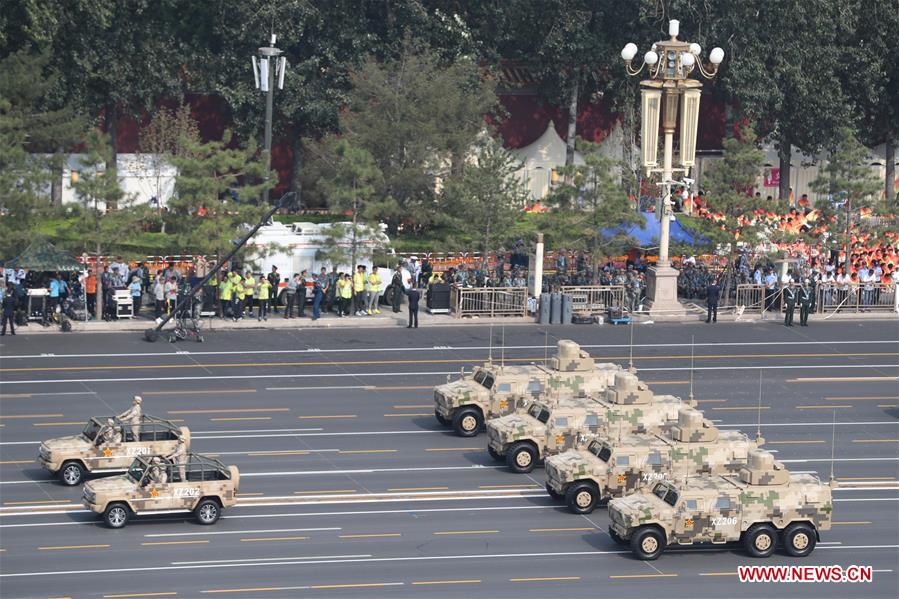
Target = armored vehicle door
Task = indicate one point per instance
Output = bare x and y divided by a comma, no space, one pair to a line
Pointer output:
654,468
562,430
156,487
691,521
725,516
106,453
186,491
502,398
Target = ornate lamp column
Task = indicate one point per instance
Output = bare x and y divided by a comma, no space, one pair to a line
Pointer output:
667,91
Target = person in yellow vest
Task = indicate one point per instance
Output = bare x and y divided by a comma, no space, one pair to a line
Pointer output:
225,296
435,278
238,295
249,284
359,291
263,294
344,294
374,290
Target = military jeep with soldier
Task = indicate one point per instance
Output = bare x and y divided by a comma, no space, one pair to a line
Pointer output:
761,507
553,427
154,484
494,390
109,445
615,467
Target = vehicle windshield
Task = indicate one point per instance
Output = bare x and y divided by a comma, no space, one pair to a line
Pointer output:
539,412
484,379
90,430
665,493
136,471
600,450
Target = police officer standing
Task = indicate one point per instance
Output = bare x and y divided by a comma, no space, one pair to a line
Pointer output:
789,292
712,292
414,295
132,417
805,303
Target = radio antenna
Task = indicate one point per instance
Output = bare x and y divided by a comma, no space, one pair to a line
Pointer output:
630,363
691,398
490,346
833,445
545,347
502,355
758,430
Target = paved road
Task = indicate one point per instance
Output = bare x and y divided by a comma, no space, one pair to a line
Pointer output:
350,488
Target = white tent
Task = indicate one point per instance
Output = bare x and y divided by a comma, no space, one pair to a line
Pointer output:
540,159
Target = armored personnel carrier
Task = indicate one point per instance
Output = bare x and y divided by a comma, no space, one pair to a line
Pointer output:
763,506
615,467
104,448
494,390
198,484
548,428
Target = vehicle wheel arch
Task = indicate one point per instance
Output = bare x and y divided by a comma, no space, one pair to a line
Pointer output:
808,523
78,461
214,498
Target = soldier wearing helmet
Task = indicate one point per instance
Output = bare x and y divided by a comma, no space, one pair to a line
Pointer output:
109,433
132,416
179,457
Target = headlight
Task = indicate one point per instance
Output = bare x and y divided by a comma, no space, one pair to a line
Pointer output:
45,453
89,496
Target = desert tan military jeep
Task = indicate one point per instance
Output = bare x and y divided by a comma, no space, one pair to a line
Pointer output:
495,390
615,467
762,506
154,485
101,449
552,427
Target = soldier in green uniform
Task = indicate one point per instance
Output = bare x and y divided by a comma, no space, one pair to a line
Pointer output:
789,303
806,297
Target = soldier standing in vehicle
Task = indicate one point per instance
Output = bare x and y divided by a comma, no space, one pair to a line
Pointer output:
805,303
179,458
132,416
789,304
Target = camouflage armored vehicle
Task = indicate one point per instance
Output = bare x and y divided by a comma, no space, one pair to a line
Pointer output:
104,448
493,390
553,427
612,467
763,506
153,484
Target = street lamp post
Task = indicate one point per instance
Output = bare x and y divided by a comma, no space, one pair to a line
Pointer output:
268,69
668,64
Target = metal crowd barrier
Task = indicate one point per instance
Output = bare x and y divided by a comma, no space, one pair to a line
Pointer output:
752,298
856,297
489,301
595,299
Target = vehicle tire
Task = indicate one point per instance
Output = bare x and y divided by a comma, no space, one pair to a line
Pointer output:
116,515
71,474
647,543
617,537
582,497
799,539
553,494
760,540
443,421
495,454
208,511
521,457
467,422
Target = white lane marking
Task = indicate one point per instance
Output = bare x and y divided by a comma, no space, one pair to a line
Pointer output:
274,453
442,432
239,532
806,460
416,558
267,559
850,423
325,514
448,348
369,470
866,499
406,374
377,584
256,430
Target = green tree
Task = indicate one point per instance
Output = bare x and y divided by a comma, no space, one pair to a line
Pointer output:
29,136
487,198
850,185
729,183
108,216
418,116
215,194
350,182
588,200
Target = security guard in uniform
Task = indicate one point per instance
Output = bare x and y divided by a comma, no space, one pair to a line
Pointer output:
789,303
805,303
